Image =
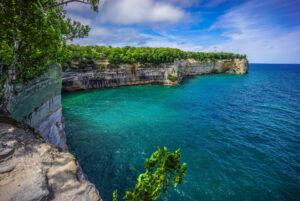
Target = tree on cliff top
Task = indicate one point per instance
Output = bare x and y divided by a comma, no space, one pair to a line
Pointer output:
33,34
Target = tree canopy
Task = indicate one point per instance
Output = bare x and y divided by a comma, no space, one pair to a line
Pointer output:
33,34
142,54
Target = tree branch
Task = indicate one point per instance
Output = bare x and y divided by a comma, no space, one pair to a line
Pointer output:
66,2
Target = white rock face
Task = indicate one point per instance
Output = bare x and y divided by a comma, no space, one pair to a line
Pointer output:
105,75
52,129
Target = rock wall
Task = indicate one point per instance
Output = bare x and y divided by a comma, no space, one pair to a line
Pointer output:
38,103
104,75
32,170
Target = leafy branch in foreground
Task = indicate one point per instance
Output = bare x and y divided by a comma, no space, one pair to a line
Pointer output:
162,170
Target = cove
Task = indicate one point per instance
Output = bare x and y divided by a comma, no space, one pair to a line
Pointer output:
239,134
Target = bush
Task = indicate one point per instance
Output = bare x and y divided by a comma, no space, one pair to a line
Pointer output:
172,78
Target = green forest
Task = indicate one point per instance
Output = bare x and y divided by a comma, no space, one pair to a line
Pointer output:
117,55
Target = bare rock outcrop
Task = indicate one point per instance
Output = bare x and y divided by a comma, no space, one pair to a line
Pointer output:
33,170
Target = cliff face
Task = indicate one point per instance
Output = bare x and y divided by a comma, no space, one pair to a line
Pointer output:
104,75
38,103
32,170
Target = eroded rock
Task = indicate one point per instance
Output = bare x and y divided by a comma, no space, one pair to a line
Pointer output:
5,151
105,75
36,170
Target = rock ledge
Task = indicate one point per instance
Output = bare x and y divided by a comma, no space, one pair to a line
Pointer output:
32,170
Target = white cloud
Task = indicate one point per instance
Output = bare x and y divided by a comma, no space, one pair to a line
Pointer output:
251,31
263,49
126,12
83,20
100,32
112,36
200,3
77,7
124,36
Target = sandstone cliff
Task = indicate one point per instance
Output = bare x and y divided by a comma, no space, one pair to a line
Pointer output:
104,75
32,170
38,103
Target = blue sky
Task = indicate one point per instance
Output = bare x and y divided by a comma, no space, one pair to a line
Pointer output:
268,31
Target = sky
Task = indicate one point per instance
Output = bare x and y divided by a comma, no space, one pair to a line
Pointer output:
267,31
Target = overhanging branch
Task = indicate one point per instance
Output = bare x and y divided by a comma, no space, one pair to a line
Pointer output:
66,2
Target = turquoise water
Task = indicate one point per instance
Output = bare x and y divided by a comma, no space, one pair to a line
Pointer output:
239,134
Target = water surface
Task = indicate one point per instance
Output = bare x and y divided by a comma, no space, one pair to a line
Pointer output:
239,134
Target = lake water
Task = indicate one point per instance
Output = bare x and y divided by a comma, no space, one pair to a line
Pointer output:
239,134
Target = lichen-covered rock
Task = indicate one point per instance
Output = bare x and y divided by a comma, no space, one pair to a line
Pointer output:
34,170
105,75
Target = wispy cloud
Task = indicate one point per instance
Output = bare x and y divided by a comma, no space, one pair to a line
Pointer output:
129,36
116,37
250,30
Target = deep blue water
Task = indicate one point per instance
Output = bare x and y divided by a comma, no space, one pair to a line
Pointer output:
239,134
